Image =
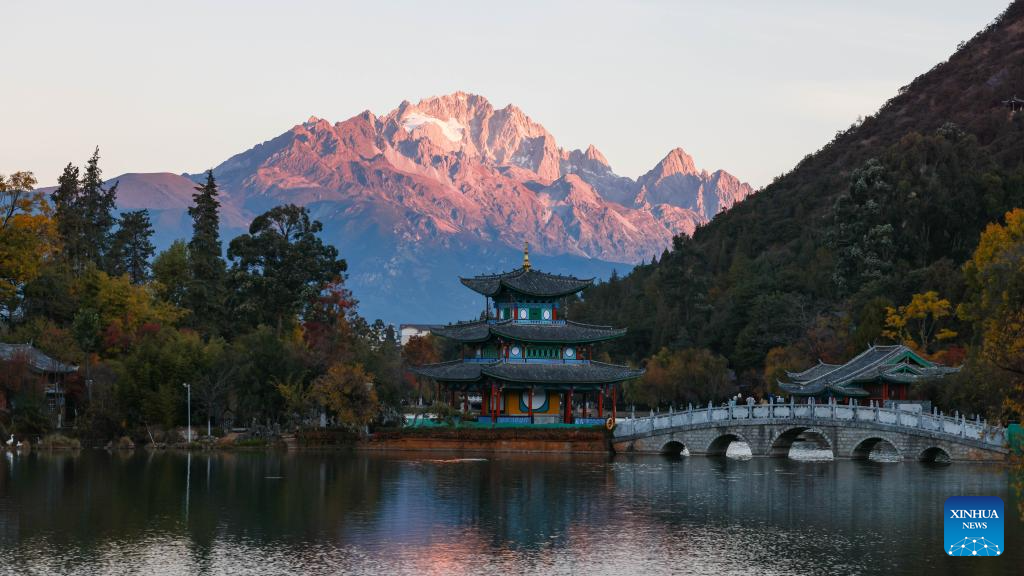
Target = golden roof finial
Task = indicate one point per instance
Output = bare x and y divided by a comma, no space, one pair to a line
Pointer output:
526,256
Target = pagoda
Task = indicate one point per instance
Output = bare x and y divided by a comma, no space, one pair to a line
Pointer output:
529,363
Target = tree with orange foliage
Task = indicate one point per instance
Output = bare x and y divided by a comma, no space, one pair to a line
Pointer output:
28,235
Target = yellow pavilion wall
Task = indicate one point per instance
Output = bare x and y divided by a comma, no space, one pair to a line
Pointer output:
512,407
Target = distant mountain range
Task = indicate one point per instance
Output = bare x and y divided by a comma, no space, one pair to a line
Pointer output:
444,187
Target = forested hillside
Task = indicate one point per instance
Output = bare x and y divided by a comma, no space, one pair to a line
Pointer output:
818,263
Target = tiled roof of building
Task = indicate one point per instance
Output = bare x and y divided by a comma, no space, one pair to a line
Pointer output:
812,372
559,332
570,332
37,360
477,331
527,281
589,373
530,372
454,371
895,363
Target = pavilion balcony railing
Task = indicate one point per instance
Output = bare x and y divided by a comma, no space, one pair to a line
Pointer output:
832,412
526,360
521,321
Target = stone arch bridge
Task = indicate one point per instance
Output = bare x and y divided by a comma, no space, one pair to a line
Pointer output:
848,431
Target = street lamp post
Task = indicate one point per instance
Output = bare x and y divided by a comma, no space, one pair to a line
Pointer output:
188,387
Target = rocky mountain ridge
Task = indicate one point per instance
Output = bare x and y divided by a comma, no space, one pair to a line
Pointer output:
449,175
455,165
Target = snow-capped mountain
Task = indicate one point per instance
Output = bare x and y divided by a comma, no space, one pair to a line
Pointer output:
452,185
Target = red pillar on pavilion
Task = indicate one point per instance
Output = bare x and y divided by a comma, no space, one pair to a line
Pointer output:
614,398
529,404
600,402
495,403
572,392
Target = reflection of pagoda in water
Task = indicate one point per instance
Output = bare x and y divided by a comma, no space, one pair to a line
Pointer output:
526,360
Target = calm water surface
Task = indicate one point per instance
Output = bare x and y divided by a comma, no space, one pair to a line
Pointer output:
248,513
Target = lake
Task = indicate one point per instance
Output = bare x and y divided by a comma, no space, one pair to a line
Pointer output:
344,513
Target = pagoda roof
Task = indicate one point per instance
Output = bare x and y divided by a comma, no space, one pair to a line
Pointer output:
544,373
896,363
813,372
566,332
529,372
527,281
454,371
37,360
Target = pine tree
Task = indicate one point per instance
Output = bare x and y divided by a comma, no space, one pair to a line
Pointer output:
131,248
84,210
69,219
205,296
96,205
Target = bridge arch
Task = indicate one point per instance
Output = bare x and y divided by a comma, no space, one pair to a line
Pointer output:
673,448
720,444
935,454
862,448
784,441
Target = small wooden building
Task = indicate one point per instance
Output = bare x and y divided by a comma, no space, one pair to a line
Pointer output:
49,372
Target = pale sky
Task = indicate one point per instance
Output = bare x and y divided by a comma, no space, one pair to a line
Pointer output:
750,87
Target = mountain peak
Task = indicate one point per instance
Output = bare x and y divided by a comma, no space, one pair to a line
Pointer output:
593,154
676,162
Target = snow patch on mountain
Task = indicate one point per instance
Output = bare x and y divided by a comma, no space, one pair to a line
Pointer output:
452,129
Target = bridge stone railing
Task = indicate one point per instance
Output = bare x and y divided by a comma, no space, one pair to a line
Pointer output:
832,413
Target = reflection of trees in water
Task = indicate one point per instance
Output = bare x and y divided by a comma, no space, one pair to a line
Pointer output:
508,502
528,504
93,497
512,502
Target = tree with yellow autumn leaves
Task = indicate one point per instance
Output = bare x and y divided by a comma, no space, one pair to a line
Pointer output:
28,236
995,303
919,324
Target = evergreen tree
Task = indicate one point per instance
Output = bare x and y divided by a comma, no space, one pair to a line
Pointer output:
96,206
131,248
205,295
171,272
69,219
280,265
84,210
